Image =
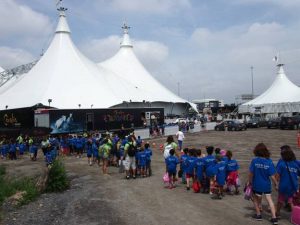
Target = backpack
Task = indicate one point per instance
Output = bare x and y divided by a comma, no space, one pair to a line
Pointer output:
131,150
167,150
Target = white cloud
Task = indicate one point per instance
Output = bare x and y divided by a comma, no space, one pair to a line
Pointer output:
11,57
281,3
146,6
219,64
150,53
18,19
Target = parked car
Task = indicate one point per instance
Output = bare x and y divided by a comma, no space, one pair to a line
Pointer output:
233,125
290,122
274,123
256,122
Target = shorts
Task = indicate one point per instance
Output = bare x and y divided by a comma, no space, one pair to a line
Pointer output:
129,162
282,198
259,194
172,173
189,175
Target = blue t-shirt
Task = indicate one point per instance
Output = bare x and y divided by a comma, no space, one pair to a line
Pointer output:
220,170
209,162
95,150
89,149
232,165
12,148
171,163
22,148
225,159
33,149
199,165
142,158
190,164
262,169
183,159
288,183
148,151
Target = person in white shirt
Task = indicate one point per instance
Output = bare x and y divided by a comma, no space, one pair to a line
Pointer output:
180,137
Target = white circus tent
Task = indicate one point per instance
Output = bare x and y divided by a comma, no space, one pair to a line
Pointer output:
283,96
1,69
66,78
127,66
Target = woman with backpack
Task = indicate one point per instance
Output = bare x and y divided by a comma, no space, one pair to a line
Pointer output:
129,154
170,144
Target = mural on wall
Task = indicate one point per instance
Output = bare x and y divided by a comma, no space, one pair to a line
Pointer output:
65,124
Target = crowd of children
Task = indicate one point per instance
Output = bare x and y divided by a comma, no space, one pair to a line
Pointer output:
126,152
207,173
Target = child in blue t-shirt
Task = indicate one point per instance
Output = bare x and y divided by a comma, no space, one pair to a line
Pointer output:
190,167
260,171
142,160
287,175
171,165
220,170
232,173
95,147
209,163
183,159
148,151
12,150
89,151
199,165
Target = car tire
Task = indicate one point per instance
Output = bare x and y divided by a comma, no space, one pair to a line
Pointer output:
257,126
233,129
269,127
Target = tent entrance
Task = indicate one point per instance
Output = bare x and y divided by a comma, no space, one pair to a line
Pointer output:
89,121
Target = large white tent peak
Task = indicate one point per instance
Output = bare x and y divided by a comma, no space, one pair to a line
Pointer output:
282,96
127,66
62,26
63,76
281,90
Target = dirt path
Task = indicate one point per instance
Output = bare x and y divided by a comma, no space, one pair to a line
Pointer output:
110,199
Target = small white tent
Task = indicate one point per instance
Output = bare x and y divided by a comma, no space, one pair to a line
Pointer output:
283,96
127,66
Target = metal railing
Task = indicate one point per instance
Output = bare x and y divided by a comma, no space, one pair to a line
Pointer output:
6,75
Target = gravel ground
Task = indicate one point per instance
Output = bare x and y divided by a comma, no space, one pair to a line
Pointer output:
95,198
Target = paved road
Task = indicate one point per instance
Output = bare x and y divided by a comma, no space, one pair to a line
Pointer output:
110,199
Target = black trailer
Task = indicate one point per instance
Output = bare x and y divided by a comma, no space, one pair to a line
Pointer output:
80,120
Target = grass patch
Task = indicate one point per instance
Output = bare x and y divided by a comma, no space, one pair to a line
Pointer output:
58,180
10,187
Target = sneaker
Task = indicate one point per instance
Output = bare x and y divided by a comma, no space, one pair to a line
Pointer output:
257,217
133,177
217,197
127,177
188,188
274,221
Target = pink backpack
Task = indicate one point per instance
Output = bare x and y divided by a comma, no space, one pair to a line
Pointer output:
166,178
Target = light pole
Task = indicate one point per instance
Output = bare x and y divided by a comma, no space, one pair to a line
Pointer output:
252,91
49,101
6,107
79,105
92,106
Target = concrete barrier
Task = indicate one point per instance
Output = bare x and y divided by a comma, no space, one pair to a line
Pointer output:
172,130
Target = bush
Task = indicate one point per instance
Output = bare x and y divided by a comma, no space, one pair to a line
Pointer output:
10,187
58,180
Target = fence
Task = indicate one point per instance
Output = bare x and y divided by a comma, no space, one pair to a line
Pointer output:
172,130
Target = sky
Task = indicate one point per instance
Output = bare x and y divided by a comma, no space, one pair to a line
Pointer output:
197,49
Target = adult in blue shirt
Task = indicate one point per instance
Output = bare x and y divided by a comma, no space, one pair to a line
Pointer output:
287,174
260,171
171,165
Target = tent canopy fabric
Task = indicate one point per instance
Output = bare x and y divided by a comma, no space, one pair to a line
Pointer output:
281,96
1,69
126,65
66,78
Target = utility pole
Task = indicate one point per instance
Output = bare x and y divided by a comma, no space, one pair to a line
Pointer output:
252,90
